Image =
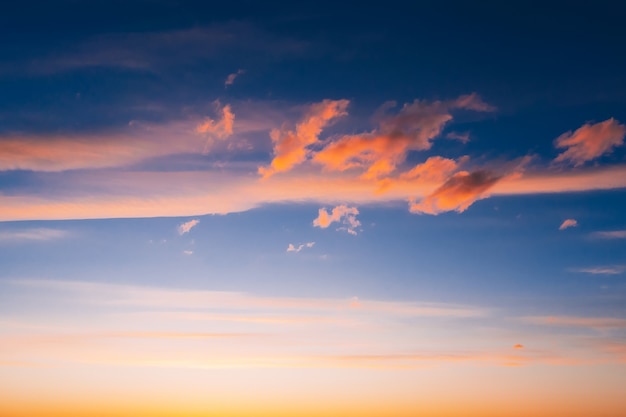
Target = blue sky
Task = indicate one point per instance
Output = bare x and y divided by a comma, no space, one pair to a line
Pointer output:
303,198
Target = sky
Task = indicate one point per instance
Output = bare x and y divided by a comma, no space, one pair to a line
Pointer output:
312,209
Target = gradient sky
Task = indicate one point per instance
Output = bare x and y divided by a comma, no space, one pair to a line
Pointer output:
259,208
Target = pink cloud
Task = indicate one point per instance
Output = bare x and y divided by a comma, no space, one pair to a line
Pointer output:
187,226
568,223
590,141
290,147
380,151
340,214
459,192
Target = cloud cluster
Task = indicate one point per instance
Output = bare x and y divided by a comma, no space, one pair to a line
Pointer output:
187,226
341,214
568,223
379,152
590,141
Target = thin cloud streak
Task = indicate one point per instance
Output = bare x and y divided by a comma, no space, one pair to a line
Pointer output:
601,270
35,234
612,234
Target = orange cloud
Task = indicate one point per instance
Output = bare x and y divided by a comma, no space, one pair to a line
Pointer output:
568,223
340,214
518,346
290,147
380,151
457,193
590,141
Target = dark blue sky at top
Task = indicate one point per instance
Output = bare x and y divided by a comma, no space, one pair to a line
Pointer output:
547,66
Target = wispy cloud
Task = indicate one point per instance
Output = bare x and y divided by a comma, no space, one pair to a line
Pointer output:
612,234
293,248
220,129
602,270
590,141
35,234
187,226
461,137
568,223
230,80
290,146
340,214
574,321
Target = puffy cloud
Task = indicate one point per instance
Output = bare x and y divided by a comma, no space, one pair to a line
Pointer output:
568,223
231,77
380,151
293,248
459,192
613,234
590,141
187,226
340,214
290,147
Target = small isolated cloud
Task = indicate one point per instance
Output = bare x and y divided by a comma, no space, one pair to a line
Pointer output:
518,346
613,234
459,192
590,141
231,77
290,146
568,223
340,214
187,226
461,137
602,270
293,248
37,234
188,252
